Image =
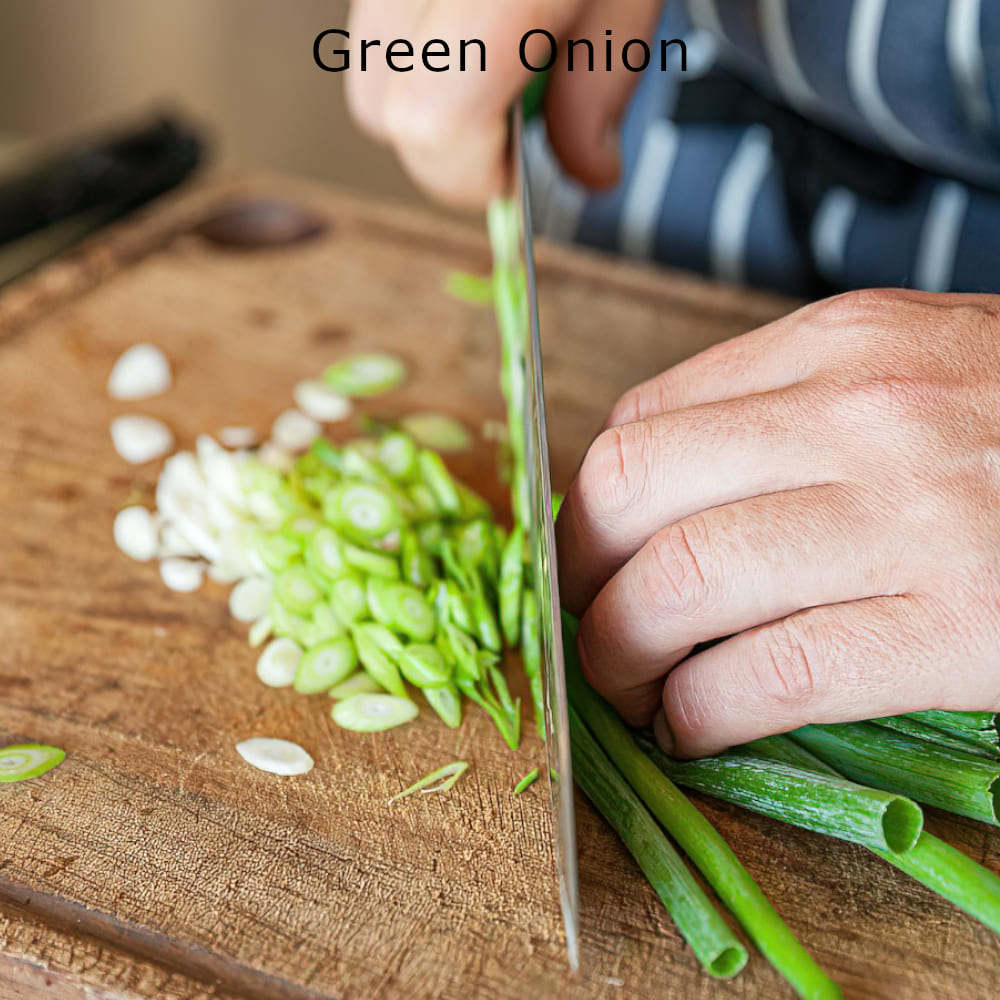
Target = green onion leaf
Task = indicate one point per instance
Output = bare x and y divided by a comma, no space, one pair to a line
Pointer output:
441,780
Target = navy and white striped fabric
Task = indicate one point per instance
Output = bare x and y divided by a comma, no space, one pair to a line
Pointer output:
918,80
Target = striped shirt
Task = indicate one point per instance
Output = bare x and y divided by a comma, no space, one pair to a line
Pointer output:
914,82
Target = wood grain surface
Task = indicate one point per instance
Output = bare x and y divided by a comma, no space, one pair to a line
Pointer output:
154,863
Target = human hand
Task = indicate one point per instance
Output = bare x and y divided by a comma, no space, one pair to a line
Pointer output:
824,490
450,128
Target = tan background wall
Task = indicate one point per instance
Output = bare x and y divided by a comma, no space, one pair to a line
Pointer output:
242,68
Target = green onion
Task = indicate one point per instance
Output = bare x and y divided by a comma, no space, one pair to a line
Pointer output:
325,664
446,702
349,599
402,607
825,804
373,563
954,740
362,510
423,665
713,943
275,756
441,780
935,864
476,289
697,837
377,648
437,431
365,374
958,782
435,476
297,590
373,713
28,760
279,662
324,554
357,683
527,781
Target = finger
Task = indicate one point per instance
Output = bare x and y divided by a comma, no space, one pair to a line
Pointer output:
839,663
366,91
638,477
730,569
775,356
583,109
452,139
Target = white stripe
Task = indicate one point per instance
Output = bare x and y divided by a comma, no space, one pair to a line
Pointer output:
964,40
644,198
705,15
776,35
734,202
830,230
939,237
863,37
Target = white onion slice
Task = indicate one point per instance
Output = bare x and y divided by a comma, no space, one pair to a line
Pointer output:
317,400
182,575
238,436
275,756
140,439
250,598
142,371
294,431
276,666
136,533
277,458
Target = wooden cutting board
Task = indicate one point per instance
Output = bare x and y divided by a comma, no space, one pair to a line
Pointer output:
154,863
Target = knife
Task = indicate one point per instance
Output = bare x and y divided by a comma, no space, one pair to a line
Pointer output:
532,499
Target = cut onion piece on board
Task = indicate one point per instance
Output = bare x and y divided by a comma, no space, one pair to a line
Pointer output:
142,371
140,439
275,756
250,599
373,713
136,533
294,431
278,664
318,400
182,575
238,436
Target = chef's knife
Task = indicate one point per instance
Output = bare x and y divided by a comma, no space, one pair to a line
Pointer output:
542,568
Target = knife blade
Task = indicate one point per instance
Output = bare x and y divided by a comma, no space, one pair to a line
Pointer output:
542,568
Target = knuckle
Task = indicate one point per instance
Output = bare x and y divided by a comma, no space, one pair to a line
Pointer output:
612,475
688,715
628,409
859,306
786,669
676,569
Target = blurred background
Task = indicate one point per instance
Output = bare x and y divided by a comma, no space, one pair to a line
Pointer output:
242,70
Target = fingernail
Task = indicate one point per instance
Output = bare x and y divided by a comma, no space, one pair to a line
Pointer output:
661,730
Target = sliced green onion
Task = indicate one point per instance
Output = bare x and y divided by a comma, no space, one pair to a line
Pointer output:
275,756
459,611
423,665
363,510
373,713
324,554
476,289
250,598
28,760
402,607
279,662
348,599
365,374
447,702
260,631
437,430
527,781
358,683
325,664
297,590
436,477
511,585
441,780
327,621
377,649
373,563
416,563
398,454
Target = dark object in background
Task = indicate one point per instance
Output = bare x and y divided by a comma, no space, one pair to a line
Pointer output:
97,181
253,223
